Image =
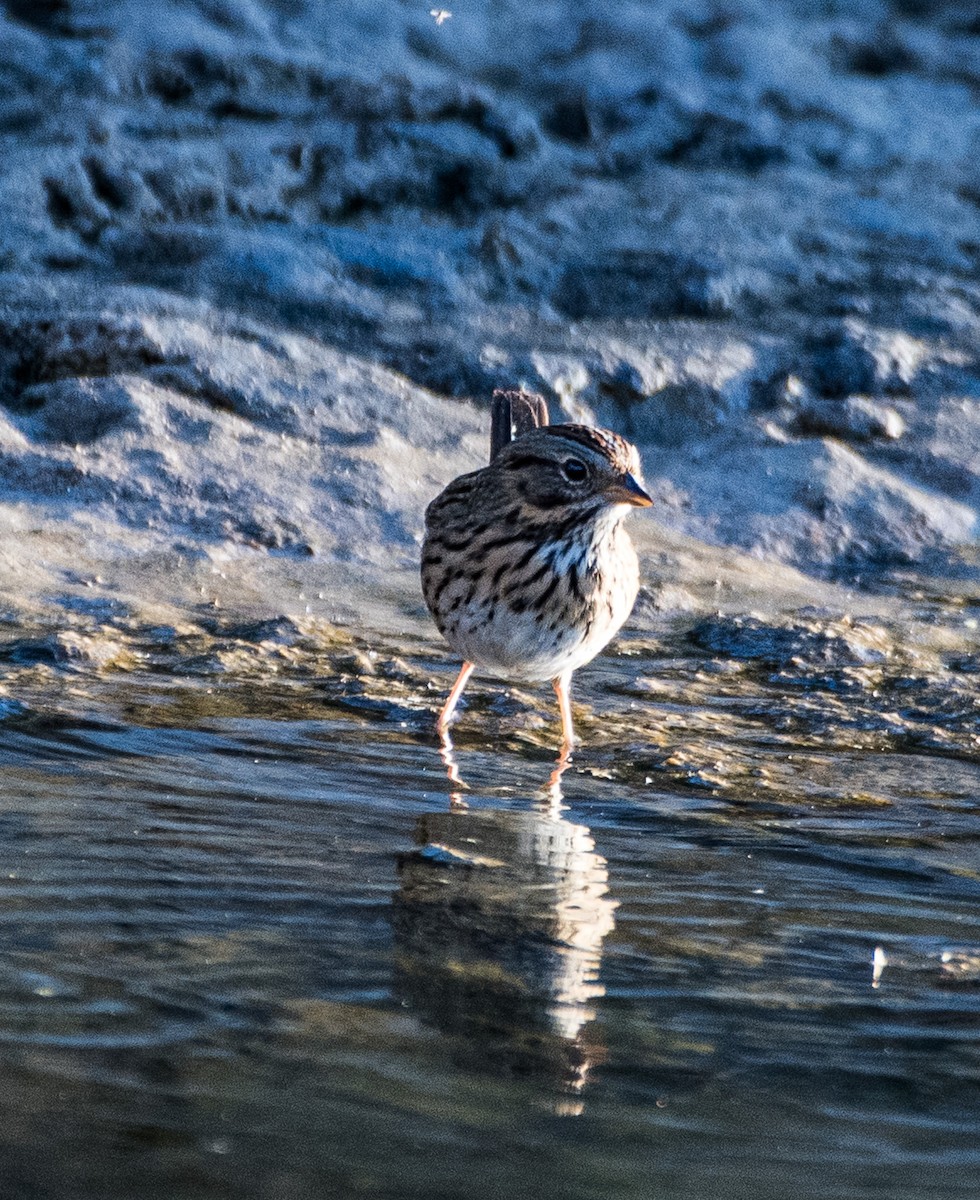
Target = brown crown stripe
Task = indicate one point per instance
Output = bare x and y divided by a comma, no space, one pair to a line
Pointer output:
609,445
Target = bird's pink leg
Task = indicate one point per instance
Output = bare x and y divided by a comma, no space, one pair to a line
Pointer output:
562,691
442,724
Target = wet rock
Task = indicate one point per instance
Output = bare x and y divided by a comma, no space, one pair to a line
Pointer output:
357,662
960,966
624,383
680,413
570,120
74,650
10,707
40,350
816,642
280,631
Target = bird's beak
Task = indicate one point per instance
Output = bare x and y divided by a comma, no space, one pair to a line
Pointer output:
627,491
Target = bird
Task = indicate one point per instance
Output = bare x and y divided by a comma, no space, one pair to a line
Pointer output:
526,567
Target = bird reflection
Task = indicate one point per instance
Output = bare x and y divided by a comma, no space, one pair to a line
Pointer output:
499,922
551,792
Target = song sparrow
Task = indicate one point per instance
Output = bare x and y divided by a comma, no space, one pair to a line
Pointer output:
526,567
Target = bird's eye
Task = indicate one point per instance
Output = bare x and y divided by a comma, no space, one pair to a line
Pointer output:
573,470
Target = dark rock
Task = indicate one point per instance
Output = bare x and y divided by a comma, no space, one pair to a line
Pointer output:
641,285
839,365
76,411
856,418
569,120
881,54
722,142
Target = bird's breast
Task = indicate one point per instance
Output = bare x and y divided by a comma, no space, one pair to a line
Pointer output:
532,610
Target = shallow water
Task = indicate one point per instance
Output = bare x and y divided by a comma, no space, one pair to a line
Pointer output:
258,943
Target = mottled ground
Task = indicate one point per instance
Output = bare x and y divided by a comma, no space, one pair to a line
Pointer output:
263,264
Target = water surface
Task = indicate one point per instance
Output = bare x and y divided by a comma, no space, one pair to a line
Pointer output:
258,943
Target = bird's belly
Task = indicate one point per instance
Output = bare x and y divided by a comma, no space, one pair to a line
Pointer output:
528,646
516,646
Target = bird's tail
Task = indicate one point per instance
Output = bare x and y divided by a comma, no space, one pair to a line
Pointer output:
512,414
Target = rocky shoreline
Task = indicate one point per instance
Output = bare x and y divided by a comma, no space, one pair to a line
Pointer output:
262,269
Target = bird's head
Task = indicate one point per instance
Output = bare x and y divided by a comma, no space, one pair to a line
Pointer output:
572,467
